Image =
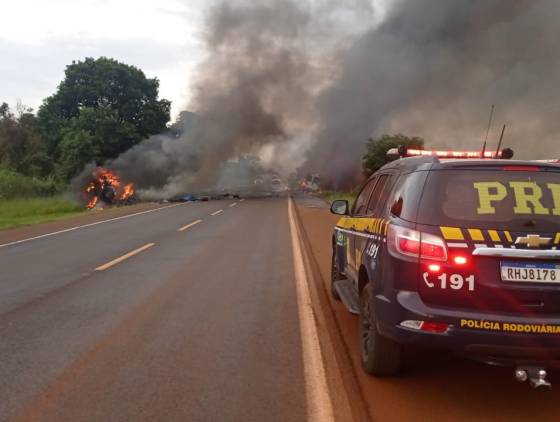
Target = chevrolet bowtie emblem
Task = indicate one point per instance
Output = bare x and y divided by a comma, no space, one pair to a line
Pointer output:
533,241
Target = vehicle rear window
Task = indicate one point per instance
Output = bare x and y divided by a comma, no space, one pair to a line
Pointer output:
498,199
360,205
404,200
379,195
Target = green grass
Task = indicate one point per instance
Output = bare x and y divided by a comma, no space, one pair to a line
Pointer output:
330,196
16,185
26,211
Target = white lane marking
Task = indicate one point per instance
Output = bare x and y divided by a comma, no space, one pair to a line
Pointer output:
242,199
319,405
17,242
124,257
232,205
194,223
217,212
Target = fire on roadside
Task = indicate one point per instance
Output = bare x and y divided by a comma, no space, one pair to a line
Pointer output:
107,187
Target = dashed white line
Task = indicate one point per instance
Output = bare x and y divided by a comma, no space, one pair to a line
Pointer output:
87,225
194,223
217,212
232,205
242,199
124,257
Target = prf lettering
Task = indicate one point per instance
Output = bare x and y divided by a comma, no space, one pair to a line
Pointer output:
527,195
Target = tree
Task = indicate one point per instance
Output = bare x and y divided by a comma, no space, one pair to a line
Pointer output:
376,150
114,102
78,148
22,148
93,136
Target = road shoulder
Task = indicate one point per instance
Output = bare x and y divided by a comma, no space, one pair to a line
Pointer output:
346,395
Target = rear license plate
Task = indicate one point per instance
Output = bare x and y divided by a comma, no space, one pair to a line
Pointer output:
530,272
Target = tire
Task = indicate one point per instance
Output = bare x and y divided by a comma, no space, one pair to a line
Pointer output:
379,355
335,276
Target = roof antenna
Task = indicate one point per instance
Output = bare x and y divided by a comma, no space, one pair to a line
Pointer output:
500,142
487,131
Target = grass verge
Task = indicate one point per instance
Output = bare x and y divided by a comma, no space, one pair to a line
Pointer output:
26,211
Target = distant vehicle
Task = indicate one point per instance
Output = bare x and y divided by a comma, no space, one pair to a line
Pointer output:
310,183
278,187
441,251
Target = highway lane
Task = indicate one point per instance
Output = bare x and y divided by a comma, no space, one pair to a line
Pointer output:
31,269
202,325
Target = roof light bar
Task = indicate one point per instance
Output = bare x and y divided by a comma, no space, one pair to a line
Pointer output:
403,151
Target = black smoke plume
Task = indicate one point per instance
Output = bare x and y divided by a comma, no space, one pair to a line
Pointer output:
433,68
305,83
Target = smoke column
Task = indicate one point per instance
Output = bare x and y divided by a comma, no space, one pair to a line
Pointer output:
433,68
305,83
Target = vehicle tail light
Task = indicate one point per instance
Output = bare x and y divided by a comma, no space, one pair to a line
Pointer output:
434,268
403,241
434,327
460,260
427,326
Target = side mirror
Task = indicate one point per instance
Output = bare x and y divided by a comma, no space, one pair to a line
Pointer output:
340,207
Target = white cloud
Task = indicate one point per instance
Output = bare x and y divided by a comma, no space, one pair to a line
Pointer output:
35,21
38,38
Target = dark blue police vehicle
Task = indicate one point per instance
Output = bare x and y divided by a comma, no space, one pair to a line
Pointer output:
454,250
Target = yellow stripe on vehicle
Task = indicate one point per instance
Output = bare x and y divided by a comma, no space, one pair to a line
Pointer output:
386,228
494,236
452,233
364,225
371,225
557,239
476,235
343,223
508,236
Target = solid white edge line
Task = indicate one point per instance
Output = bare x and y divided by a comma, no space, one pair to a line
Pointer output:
217,212
194,223
319,405
17,242
124,257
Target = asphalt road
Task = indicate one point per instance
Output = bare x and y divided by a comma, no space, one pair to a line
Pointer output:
198,325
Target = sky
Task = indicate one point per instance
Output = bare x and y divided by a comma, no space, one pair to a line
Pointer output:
38,38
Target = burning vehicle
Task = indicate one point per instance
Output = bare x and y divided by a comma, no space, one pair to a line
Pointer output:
106,187
310,183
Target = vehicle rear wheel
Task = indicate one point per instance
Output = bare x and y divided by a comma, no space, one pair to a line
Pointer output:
379,355
335,275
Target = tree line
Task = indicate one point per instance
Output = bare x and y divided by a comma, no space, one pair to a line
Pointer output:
100,109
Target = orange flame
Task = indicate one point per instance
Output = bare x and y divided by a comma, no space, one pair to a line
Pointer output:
102,181
127,192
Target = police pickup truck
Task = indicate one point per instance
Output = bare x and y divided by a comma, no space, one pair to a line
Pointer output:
454,250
